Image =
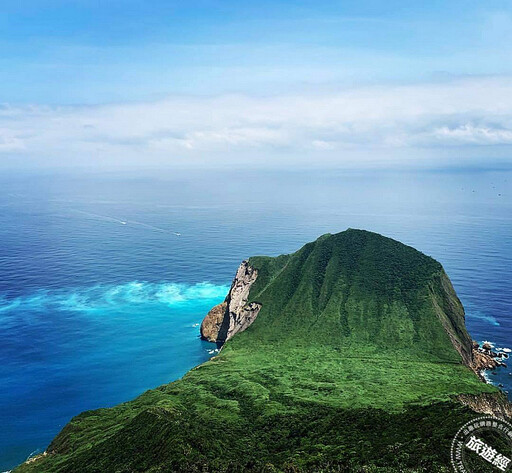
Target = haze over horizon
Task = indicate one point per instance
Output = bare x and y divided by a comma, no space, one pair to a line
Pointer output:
290,83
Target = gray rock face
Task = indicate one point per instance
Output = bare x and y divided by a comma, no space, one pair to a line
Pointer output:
495,404
234,314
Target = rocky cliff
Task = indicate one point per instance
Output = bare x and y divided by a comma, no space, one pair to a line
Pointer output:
235,314
494,404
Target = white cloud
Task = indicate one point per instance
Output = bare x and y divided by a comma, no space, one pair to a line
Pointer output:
10,144
379,123
471,134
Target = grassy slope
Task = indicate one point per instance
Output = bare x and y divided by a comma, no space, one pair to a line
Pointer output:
347,364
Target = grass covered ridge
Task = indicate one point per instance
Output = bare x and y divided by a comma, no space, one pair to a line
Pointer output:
349,366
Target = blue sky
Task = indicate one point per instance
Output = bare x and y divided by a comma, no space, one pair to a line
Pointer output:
88,51
75,61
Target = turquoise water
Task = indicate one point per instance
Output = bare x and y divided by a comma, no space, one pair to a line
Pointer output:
104,280
90,347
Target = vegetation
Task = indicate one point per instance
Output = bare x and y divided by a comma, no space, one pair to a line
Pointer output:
350,366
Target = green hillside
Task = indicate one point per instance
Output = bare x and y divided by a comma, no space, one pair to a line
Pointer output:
351,365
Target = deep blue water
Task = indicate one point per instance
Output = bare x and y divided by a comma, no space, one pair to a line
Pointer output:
100,298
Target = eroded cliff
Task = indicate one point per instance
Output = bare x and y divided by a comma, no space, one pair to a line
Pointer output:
235,314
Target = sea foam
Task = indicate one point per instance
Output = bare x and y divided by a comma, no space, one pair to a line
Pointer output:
104,297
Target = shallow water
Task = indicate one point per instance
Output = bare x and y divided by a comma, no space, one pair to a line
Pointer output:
103,280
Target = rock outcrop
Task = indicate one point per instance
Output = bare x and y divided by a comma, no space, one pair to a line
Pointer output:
212,323
483,361
234,314
494,404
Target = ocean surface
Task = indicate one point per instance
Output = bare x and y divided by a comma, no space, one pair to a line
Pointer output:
104,279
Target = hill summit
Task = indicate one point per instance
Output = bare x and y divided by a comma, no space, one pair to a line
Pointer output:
353,290
350,354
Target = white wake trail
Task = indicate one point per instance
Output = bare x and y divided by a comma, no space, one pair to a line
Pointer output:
107,218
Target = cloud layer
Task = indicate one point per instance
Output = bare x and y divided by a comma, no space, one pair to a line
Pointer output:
369,124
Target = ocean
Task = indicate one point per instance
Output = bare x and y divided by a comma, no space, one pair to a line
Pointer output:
104,279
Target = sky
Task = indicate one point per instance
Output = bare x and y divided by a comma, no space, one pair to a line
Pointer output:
90,83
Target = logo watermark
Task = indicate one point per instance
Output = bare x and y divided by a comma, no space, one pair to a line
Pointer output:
483,444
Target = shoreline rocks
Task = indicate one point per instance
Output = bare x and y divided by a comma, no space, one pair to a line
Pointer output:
485,359
212,323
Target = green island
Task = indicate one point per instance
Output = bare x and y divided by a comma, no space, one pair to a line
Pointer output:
356,358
